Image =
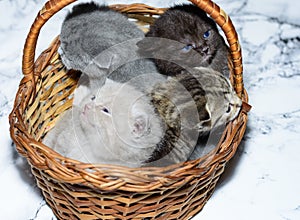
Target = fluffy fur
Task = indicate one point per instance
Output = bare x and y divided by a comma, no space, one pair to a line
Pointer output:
159,124
195,106
223,106
118,126
100,43
197,41
122,125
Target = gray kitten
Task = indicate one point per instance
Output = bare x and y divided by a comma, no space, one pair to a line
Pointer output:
90,36
196,32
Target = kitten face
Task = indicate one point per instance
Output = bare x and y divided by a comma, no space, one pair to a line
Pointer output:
125,121
204,40
222,102
226,109
199,42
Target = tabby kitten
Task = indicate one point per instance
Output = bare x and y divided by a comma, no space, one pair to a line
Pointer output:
193,31
214,98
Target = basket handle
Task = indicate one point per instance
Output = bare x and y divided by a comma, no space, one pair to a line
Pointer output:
219,16
48,10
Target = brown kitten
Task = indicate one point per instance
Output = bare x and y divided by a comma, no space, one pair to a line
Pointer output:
195,31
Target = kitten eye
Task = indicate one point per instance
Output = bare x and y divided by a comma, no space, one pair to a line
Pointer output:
228,109
187,48
105,110
206,34
93,98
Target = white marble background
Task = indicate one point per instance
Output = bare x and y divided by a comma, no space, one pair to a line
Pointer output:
262,180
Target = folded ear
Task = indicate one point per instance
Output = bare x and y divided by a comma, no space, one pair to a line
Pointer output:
140,126
151,44
204,120
146,45
105,60
158,47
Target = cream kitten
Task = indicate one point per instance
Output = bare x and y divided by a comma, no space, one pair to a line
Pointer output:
118,126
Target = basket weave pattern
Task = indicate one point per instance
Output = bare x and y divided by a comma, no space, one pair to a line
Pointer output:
76,190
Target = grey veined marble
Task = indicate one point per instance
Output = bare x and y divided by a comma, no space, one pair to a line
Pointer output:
263,179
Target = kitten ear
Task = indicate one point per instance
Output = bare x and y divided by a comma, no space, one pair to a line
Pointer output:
149,44
205,120
145,45
105,60
140,126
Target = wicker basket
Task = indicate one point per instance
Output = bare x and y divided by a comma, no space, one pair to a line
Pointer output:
75,190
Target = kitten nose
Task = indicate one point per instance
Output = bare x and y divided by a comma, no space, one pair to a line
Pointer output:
87,107
202,49
205,49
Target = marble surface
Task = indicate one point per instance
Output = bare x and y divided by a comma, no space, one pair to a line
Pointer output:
262,180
